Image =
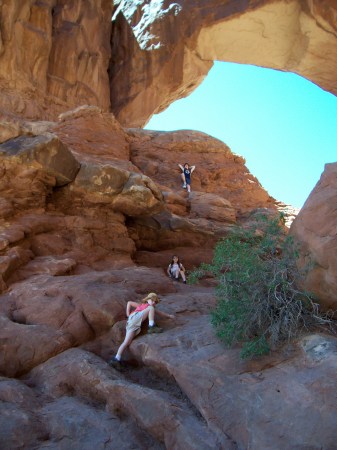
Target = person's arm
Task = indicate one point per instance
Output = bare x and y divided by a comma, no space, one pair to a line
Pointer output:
168,270
162,314
192,169
181,167
182,267
129,306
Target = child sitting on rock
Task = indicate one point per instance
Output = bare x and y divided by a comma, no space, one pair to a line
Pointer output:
143,310
186,171
176,269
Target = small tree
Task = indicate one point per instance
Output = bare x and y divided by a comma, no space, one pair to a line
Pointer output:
259,303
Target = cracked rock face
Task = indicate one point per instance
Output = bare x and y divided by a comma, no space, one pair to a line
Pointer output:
54,55
160,56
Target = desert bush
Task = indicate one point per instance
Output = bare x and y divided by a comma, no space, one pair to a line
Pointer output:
259,303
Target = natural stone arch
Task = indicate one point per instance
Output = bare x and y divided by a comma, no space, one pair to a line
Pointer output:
159,59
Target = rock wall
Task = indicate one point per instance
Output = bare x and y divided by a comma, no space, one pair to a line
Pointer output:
54,55
85,186
161,51
316,231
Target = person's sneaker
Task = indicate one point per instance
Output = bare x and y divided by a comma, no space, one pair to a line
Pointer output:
115,363
184,281
184,186
154,329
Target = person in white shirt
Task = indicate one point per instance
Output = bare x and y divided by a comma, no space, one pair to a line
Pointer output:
176,269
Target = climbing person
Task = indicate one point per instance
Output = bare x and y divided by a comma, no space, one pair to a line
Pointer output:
186,171
142,311
176,269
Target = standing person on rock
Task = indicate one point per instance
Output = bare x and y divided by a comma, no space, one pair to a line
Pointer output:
186,172
142,311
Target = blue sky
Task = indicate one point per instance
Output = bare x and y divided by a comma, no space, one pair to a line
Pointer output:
283,125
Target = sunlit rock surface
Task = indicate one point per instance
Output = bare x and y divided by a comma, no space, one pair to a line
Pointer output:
316,230
90,215
161,51
54,55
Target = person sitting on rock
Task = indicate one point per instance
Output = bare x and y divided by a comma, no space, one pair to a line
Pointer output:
142,311
186,171
176,268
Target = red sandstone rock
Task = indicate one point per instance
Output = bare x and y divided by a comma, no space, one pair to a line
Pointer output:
44,152
93,135
162,416
218,170
66,264
30,420
54,56
252,402
315,230
66,310
161,52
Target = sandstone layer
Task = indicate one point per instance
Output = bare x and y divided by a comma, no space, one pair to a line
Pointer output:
161,51
316,231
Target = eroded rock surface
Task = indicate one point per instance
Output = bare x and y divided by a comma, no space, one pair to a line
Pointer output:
54,56
180,389
315,228
161,51
91,214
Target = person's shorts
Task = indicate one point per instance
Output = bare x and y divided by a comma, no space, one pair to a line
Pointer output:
188,180
134,322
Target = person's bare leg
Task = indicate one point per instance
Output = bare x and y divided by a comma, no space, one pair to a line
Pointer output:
148,312
183,178
127,341
182,273
176,274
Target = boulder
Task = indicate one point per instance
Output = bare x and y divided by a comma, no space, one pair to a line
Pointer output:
218,170
44,152
315,230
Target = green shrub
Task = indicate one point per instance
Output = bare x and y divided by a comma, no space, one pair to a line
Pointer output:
258,301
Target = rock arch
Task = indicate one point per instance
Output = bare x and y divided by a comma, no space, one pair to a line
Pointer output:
159,58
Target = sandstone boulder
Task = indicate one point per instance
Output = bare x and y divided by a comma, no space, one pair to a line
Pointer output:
212,207
129,193
315,230
218,170
44,152
93,135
